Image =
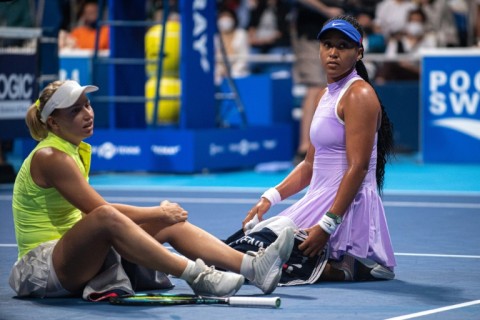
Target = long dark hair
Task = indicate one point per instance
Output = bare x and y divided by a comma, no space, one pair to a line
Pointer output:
385,133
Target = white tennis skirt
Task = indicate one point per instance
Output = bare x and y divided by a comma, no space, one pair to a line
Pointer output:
34,276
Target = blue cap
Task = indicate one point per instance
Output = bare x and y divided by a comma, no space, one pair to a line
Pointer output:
345,27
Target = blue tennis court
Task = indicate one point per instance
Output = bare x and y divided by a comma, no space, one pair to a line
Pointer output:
434,217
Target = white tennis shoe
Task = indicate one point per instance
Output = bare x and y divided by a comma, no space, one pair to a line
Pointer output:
214,283
267,263
360,269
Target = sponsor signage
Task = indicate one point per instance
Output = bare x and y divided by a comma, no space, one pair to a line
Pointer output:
76,65
450,106
18,90
197,64
17,85
188,150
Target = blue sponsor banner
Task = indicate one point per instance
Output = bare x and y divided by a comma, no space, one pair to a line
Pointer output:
188,151
76,67
242,147
18,90
450,98
142,150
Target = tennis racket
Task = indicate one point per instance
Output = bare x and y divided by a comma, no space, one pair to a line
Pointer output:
162,299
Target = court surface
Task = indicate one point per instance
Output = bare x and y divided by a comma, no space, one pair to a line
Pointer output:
434,218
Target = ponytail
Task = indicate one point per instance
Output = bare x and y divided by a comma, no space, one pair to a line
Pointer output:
385,133
38,129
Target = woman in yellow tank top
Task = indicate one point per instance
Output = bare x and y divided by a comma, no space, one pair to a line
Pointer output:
65,230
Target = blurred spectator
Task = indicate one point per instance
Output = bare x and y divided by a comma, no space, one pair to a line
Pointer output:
155,10
373,41
64,12
15,14
237,48
310,16
354,7
391,16
84,33
241,8
441,21
269,32
413,38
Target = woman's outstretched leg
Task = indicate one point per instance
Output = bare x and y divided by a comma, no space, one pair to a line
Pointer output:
79,254
263,269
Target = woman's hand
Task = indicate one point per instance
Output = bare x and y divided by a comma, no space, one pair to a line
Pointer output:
172,212
262,206
315,242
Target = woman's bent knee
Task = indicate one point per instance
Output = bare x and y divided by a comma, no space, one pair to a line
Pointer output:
109,217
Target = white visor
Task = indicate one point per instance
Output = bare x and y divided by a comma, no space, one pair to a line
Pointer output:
65,96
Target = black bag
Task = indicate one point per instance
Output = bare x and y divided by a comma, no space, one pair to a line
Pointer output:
299,269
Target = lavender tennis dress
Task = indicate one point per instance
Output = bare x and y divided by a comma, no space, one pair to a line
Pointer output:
364,231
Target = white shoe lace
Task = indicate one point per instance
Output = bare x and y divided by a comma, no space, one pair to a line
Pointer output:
212,274
260,253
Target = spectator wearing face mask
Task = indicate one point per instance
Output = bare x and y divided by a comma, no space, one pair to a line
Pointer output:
236,44
391,16
414,37
84,34
441,21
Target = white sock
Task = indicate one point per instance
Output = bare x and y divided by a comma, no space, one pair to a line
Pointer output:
246,269
191,272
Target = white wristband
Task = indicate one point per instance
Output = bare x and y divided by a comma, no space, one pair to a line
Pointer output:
273,196
328,224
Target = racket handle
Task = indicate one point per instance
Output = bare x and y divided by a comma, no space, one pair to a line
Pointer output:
273,302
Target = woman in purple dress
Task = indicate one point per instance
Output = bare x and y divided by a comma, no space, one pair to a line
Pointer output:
341,215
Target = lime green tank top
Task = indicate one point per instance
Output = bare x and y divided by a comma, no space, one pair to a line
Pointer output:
43,214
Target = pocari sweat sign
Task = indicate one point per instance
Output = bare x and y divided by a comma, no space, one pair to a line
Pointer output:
450,102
